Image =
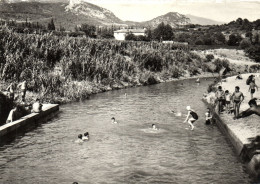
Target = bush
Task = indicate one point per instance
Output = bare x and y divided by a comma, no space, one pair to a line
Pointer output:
245,43
253,52
209,57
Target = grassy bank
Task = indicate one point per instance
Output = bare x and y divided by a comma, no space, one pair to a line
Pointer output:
63,69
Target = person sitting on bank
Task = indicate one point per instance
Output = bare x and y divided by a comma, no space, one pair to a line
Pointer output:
239,76
13,115
86,136
37,106
253,109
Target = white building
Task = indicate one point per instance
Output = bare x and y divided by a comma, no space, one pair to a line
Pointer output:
121,34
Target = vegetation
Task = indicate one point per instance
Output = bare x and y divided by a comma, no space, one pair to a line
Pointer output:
72,68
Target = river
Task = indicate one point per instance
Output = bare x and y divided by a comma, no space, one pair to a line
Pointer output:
127,152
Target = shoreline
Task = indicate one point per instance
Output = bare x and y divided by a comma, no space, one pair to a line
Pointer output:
242,132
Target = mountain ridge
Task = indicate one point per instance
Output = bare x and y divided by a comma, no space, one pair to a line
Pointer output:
69,14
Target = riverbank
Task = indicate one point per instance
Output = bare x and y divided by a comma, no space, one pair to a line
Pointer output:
242,132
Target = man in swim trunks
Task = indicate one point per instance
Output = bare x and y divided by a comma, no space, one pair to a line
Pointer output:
253,109
237,97
220,95
193,117
252,87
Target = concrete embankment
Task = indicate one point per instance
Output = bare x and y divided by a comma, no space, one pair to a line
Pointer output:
47,112
243,133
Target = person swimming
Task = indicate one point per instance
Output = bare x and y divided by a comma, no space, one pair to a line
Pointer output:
194,117
79,140
86,136
113,120
154,127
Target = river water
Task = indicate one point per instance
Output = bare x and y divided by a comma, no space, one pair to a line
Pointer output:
127,152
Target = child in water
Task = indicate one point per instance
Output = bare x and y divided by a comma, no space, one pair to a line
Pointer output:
113,120
193,117
79,140
208,117
86,136
154,127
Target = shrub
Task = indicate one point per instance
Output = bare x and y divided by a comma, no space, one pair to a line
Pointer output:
245,43
209,57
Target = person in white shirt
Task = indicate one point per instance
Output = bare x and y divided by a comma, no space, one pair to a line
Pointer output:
37,106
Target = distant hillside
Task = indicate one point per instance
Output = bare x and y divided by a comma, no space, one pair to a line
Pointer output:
202,21
70,13
66,15
174,19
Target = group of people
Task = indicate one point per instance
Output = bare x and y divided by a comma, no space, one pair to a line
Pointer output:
11,89
19,110
82,138
224,99
17,113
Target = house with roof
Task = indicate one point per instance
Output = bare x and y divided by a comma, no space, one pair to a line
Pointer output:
121,34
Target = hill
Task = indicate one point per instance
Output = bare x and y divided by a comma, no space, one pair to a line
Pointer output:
69,14
174,19
65,15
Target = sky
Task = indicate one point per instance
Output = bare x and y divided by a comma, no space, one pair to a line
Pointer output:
219,10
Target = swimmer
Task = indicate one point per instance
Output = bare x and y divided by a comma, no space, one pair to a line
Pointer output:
208,117
79,140
86,136
154,127
193,117
113,120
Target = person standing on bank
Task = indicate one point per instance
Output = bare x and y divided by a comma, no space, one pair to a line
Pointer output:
220,95
10,88
252,87
237,97
23,86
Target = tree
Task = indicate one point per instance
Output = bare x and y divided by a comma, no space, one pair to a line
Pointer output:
89,30
234,40
130,36
163,32
245,43
51,25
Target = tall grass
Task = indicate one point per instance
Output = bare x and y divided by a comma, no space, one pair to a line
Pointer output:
75,67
